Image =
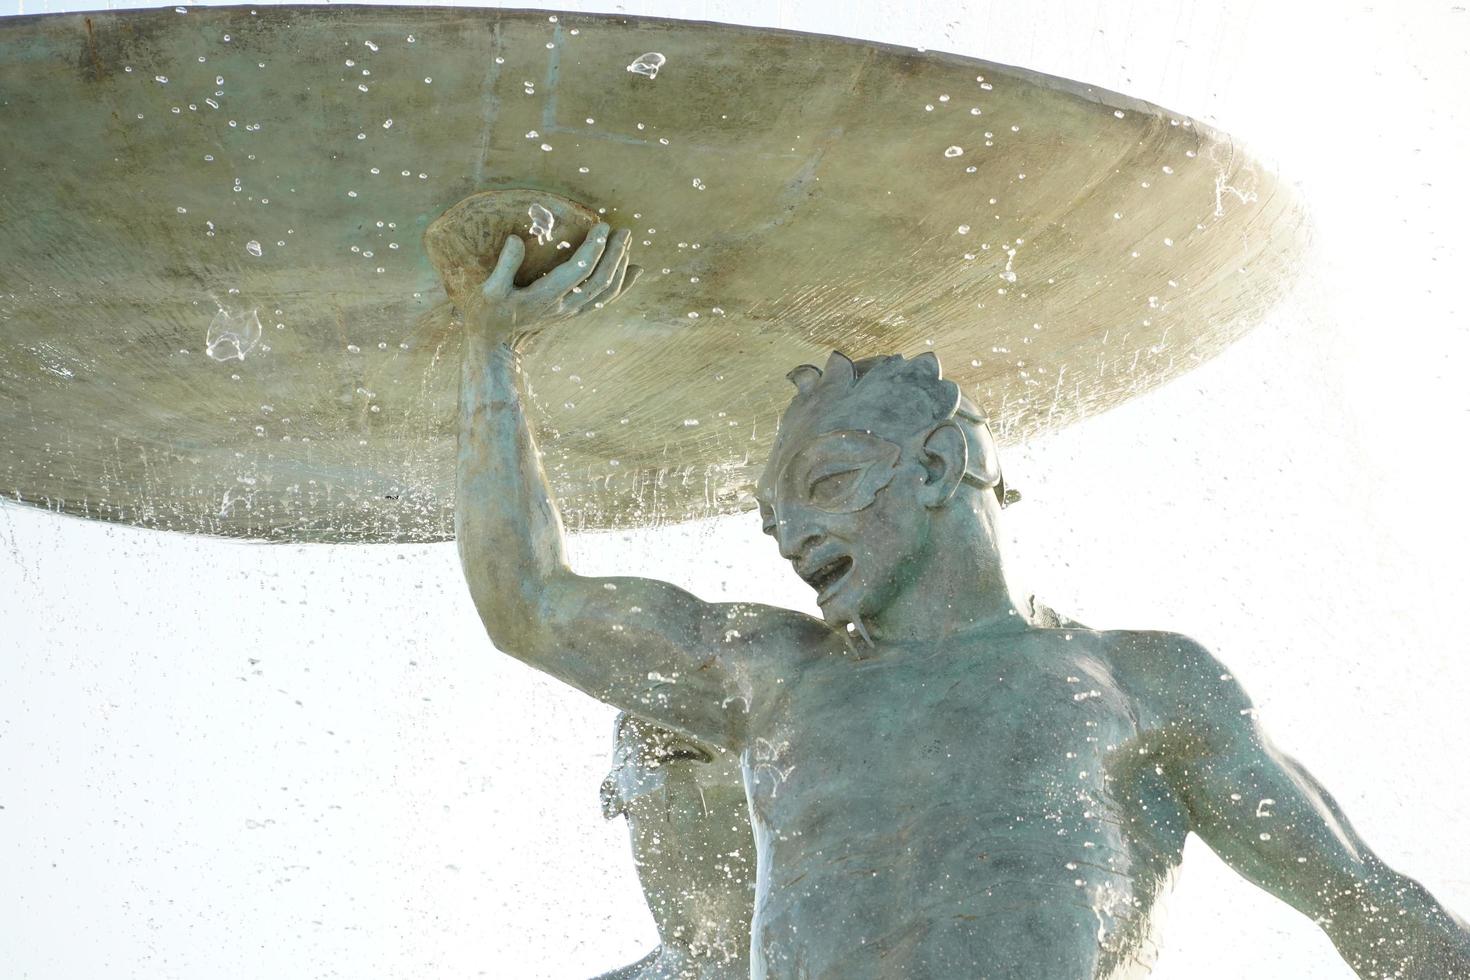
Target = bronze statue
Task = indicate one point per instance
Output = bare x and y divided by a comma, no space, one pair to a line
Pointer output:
690,832
938,787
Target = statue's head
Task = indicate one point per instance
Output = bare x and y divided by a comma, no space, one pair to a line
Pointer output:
866,457
690,831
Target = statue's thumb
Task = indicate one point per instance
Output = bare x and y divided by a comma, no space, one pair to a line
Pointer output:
503,278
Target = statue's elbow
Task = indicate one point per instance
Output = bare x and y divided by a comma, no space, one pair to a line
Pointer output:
516,619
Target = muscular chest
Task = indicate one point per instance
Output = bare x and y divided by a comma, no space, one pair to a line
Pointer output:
943,724
958,798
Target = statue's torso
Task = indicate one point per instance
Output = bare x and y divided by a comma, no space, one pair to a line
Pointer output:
974,810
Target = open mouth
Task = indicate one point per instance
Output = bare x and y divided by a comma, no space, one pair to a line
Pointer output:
825,577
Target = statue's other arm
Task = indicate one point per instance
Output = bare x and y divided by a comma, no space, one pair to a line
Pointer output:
633,971
1274,824
642,645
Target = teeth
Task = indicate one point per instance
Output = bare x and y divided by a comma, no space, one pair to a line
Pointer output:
826,574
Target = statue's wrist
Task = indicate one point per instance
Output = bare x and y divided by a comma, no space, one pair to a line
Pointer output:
487,335
502,350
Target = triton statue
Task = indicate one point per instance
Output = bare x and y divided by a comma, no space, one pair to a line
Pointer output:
690,831
939,788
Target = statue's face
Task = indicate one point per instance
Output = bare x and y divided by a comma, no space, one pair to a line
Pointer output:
643,777
689,829
842,508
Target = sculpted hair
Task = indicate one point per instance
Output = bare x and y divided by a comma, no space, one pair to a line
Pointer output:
656,744
892,397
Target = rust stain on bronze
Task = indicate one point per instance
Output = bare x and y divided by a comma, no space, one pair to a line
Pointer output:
92,49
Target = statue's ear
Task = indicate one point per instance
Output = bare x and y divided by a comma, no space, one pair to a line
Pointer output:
805,377
946,454
986,462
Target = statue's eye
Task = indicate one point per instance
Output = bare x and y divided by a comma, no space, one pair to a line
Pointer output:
833,488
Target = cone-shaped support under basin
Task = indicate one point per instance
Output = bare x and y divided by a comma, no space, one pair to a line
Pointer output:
219,314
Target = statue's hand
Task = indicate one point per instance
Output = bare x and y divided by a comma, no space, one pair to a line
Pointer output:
595,275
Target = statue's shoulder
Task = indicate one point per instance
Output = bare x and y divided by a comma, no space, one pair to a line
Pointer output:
633,971
780,634
1171,675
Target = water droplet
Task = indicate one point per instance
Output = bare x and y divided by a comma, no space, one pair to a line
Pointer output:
370,45
963,229
387,124
954,151
232,335
161,79
542,221
253,247
647,64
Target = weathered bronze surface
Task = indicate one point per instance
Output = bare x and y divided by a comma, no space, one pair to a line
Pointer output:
689,828
1064,247
942,783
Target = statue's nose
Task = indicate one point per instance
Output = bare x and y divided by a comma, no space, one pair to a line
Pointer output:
794,536
612,800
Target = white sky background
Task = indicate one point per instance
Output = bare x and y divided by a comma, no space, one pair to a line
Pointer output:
382,795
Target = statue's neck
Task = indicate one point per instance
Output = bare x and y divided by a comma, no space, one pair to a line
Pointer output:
958,586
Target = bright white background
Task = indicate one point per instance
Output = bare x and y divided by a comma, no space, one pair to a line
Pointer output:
235,761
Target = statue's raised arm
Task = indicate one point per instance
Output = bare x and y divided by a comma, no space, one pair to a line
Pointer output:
642,645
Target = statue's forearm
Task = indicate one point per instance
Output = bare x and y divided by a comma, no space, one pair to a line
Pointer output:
1396,928
506,525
